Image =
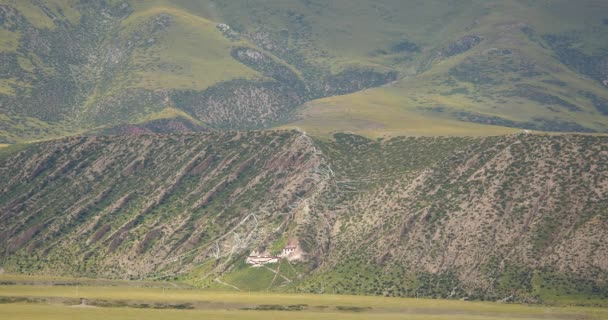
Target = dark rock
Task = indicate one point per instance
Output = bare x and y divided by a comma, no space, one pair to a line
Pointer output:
600,104
461,45
537,123
592,65
536,94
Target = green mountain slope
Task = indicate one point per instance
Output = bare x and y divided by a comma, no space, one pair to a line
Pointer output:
70,66
534,65
520,217
160,179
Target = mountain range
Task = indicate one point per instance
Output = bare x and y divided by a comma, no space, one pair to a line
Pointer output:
450,149
377,68
517,217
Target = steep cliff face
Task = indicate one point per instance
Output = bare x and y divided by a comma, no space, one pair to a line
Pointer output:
517,217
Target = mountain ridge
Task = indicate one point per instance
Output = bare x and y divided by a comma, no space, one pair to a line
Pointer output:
192,207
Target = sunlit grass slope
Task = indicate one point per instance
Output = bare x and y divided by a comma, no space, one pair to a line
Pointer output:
511,78
191,54
383,112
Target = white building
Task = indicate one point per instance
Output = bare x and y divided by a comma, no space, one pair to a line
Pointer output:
287,251
223,27
261,260
257,259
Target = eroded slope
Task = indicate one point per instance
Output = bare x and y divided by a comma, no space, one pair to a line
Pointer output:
512,217
132,206
517,216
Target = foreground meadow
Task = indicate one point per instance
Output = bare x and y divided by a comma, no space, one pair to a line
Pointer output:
57,298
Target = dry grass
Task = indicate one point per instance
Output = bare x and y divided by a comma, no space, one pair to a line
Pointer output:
55,300
52,312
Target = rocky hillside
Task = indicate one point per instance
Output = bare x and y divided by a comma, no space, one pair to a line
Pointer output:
513,217
518,216
131,207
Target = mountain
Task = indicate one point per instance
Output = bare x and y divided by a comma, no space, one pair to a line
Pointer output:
518,217
174,192
432,68
494,218
537,65
388,147
69,66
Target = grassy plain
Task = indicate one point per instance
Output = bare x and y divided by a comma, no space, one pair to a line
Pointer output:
140,300
52,312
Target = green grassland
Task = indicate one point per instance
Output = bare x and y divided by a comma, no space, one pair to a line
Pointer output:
537,65
510,79
52,312
343,33
191,54
8,40
127,300
382,112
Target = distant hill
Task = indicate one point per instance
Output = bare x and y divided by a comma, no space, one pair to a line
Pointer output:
519,217
537,65
68,67
459,68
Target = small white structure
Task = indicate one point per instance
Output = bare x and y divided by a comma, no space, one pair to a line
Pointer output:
227,31
258,261
223,27
287,251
